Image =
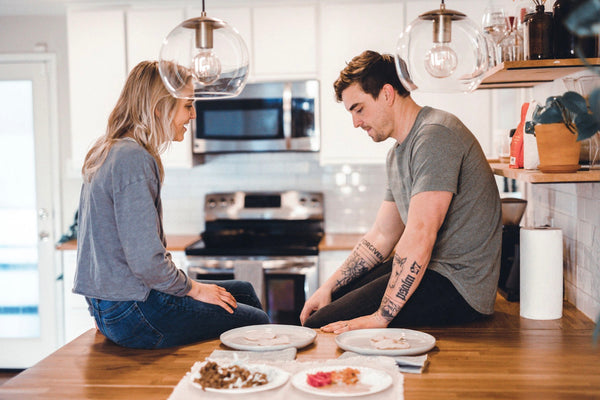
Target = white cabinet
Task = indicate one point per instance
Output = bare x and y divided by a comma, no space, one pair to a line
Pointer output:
76,315
346,30
284,42
97,69
146,30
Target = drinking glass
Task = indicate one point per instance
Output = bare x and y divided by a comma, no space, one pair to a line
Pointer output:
495,26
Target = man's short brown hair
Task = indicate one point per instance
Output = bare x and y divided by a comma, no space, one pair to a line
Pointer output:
371,70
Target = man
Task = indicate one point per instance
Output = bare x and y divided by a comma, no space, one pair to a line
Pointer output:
441,215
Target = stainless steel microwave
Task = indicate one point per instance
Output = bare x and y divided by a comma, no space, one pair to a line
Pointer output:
269,116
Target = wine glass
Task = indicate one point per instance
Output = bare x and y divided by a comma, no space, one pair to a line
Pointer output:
495,26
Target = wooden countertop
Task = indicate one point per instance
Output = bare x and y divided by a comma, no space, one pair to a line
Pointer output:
504,357
331,241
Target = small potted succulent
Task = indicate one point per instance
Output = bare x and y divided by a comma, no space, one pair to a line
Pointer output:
559,126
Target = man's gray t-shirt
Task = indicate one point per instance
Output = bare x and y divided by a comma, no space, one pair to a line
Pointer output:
441,154
121,244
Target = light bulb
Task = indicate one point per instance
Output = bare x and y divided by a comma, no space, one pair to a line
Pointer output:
206,66
441,61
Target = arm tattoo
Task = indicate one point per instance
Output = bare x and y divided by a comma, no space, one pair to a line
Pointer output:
364,257
388,309
397,271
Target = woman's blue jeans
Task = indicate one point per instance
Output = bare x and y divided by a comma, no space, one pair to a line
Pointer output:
164,320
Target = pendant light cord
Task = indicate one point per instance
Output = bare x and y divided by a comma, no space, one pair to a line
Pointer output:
203,10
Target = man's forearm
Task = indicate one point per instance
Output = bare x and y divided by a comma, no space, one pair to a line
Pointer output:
404,279
364,257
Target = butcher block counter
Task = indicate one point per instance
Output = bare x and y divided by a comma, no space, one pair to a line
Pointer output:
331,241
504,357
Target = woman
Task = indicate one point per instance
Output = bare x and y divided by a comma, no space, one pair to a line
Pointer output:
137,295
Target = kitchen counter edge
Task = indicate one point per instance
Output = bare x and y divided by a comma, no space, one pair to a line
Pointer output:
330,242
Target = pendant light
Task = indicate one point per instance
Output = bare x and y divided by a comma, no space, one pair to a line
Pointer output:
212,50
441,51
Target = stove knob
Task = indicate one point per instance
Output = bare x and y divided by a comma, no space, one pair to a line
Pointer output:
314,202
223,202
211,203
302,201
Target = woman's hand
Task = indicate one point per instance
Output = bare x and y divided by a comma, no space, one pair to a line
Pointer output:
319,299
213,294
366,322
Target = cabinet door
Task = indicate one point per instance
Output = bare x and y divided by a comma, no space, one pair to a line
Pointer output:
77,316
146,30
346,30
285,42
96,44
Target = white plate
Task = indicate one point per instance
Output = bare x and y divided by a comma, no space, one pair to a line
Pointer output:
297,336
359,341
276,377
370,381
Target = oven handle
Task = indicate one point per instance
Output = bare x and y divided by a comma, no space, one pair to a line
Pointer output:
287,115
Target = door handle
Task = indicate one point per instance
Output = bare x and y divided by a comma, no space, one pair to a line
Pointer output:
44,236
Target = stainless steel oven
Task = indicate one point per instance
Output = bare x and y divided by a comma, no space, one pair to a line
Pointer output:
272,116
268,238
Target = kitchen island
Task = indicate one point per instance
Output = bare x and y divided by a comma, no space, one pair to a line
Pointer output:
503,357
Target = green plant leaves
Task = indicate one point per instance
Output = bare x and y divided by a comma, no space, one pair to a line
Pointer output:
574,102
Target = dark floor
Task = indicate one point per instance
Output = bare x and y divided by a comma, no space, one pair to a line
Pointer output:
6,374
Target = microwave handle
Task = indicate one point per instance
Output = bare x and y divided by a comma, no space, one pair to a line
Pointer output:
287,115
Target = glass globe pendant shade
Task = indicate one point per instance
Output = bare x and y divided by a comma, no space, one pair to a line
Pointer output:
211,51
442,51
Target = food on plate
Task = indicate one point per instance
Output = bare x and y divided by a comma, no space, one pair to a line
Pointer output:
389,342
346,376
266,337
213,375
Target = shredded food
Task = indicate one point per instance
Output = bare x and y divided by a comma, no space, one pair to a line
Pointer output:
213,375
346,376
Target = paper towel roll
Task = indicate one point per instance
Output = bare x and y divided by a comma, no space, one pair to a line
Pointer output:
541,254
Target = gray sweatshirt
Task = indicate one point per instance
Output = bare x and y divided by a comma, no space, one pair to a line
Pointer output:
121,244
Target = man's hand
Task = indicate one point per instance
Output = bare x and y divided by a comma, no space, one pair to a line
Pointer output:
319,299
213,294
367,322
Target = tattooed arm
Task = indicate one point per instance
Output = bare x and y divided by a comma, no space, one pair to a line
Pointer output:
371,250
427,211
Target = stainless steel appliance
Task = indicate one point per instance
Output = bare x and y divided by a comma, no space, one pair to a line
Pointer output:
268,238
273,116
510,262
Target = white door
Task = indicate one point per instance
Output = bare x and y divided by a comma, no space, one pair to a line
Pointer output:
28,186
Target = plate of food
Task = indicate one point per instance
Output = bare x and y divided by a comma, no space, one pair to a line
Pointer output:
235,377
268,337
340,381
386,342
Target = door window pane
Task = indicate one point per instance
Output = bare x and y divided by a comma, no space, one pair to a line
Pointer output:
19,283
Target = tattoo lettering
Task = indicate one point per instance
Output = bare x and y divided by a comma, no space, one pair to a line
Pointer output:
405,287
388,309
415,268
372,249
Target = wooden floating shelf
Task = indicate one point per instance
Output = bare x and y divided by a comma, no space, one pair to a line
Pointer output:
537,176
522,74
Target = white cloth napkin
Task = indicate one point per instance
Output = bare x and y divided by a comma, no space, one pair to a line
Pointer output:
409,364
254,356
185,390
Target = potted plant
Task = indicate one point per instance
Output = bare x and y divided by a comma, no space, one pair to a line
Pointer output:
559,126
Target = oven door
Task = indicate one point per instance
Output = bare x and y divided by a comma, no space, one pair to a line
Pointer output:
283,286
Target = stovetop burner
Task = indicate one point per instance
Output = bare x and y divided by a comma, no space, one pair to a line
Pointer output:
261,224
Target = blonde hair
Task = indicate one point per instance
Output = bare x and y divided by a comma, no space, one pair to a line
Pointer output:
144,112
